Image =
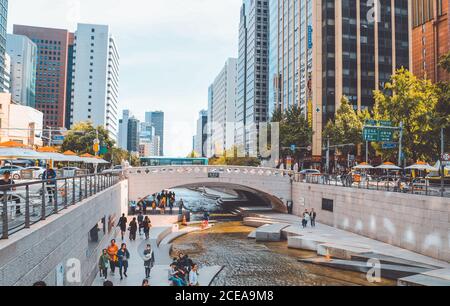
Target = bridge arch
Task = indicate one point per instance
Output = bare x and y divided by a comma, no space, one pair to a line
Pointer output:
272,185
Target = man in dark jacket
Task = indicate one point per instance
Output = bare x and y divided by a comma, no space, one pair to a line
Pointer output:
123,225
49,176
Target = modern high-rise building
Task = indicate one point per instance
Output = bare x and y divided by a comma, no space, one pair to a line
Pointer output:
123,130
3,27
157,120
70,83
133,135
430,38
23,54
324,50
148,141
252,81
51,71
201,136
223,108
95,78
7,74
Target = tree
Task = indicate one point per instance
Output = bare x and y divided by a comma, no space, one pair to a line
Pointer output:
82,136
413,102
294,130
231,158
117,155
346,127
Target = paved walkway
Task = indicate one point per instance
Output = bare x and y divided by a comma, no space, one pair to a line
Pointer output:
163,232
338,236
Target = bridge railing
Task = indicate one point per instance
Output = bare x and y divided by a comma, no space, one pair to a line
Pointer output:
210,170
25,204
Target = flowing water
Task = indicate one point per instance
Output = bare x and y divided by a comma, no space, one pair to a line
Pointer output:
248,263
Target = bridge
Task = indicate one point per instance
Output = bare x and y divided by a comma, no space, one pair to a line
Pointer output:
272,186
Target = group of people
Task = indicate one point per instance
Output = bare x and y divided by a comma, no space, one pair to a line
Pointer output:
163,200
114,257
141,224
309,217
183,272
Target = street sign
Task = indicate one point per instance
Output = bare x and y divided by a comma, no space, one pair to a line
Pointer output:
371,122
385,135
371,134
213,175
389,145
293,147
309,148
446,157
96,147
103,150
385,123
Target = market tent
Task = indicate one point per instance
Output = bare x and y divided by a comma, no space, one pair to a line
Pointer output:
94,160
21,153
58,157
422,166
72,157
12,144
47,150
388,166
363,166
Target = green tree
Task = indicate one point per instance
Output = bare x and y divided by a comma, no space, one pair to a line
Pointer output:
81,138
413,102
294,130
346,127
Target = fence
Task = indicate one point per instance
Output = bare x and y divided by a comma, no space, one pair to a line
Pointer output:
25,204
419,186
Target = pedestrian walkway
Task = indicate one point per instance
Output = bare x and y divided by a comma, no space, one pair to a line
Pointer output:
164,230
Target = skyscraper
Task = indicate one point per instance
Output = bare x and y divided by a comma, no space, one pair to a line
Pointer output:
123,130
223,108
3,27
133,135
157,120
23,54
430,38
252,81
324,50
51,71
200,139
95,78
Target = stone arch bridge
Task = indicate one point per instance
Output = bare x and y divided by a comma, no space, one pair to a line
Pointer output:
273,185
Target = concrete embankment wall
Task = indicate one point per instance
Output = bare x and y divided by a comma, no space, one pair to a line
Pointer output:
52,249
417,223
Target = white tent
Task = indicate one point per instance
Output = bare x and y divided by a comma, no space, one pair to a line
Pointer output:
93,160
58,157
388,166
363,166
21,153
422,167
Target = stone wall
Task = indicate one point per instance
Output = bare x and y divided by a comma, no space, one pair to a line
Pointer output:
34,254
417,223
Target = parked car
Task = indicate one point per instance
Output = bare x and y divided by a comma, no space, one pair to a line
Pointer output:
15,171
37,171
70,171
310,172
114,170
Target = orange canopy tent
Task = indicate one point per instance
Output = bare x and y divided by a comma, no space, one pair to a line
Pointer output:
12,144
47,150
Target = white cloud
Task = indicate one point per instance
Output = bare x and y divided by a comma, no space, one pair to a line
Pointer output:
171,50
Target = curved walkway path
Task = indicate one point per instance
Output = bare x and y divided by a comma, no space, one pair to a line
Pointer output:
163,232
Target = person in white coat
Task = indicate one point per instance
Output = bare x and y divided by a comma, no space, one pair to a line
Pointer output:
193,276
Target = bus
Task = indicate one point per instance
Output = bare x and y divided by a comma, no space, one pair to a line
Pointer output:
172,161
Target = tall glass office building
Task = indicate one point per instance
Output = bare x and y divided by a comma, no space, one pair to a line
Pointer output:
253,80
323,50
3,27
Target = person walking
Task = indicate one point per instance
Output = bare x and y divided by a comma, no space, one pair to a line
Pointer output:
313,217
147,224
49,176
112,253
133,229
149,260
305,219
180,207
6,184
103,264
123,225
171,201
123,256
193,276
140,220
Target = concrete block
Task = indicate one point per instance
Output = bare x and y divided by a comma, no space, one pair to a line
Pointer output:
340,251
271,232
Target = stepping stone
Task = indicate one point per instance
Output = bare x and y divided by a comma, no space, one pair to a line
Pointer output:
305,242
423,280
385,259
340,251
270,232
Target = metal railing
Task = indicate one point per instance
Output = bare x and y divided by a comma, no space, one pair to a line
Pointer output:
417,186
25,204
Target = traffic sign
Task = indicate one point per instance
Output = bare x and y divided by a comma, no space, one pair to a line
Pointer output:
385,135
389,145
371,134
446,157
293,147
385,123
371,122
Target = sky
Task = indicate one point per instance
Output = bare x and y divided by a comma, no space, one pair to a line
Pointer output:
170,51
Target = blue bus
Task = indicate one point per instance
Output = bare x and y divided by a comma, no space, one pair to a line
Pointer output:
172,161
